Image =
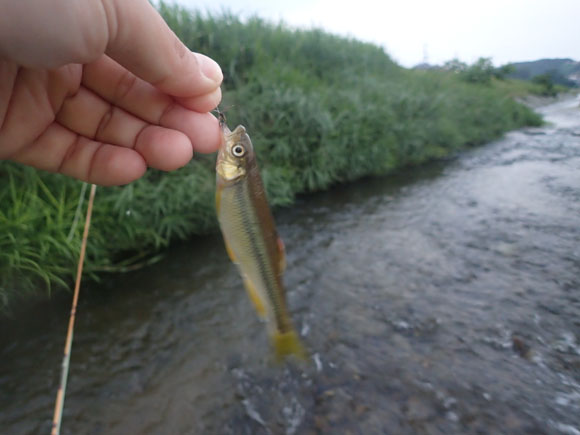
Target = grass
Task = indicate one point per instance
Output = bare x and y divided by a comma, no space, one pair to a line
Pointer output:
321,110
35,221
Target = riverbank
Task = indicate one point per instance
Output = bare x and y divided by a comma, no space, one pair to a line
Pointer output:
537,101
321,110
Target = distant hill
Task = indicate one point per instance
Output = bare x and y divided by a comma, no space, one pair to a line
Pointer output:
562,71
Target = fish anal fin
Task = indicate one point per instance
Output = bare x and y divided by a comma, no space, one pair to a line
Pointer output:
255,297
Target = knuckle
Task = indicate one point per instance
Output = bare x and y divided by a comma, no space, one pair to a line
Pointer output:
104,123
123,87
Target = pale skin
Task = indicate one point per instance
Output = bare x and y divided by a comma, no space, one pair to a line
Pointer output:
100,90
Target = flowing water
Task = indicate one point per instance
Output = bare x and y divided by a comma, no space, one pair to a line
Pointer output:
445,299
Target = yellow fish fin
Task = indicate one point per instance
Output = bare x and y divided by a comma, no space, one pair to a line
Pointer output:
230,252
281,255
218,200
255,298
288,343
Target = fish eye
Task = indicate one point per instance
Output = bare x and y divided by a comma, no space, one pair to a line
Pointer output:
238,151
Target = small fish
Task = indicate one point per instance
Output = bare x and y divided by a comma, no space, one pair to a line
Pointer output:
251,238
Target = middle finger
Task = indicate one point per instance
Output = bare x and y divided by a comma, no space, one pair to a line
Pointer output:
92,117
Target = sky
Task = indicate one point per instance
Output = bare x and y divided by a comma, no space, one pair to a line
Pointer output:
412,31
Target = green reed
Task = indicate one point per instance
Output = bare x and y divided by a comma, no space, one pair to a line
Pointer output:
321,110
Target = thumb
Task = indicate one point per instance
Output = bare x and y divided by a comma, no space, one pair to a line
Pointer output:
143,43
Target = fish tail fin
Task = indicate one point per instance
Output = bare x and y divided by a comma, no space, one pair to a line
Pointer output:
288,343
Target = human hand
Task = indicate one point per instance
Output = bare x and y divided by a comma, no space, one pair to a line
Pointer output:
100,90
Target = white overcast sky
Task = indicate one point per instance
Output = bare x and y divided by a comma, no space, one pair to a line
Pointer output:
505,30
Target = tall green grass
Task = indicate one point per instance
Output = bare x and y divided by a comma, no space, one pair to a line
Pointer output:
35,220
320,109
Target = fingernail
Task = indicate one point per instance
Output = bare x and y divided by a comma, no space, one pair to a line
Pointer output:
210,68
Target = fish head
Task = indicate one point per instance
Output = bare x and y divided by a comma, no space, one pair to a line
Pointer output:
235,153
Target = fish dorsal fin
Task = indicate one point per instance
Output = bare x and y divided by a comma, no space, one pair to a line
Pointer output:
281,255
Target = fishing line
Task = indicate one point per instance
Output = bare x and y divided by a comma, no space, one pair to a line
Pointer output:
59,405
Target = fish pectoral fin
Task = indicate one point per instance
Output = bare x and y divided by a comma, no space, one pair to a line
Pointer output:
288,343
255,298
281,255
218,200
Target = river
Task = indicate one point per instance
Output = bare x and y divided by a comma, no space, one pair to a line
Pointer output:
442,300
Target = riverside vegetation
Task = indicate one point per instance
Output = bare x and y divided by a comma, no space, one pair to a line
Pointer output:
321,109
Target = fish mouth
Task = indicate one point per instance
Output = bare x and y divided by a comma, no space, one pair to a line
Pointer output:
237,135
228,135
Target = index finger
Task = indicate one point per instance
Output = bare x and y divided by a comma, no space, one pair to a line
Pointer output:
143,43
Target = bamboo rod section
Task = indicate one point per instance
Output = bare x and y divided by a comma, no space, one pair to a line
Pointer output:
59,405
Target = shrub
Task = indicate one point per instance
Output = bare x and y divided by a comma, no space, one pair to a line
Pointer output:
320,109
